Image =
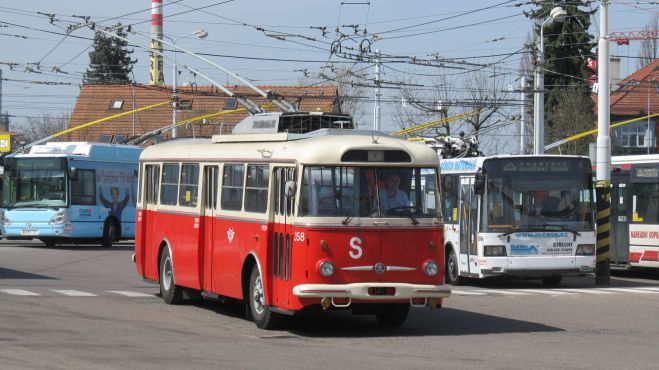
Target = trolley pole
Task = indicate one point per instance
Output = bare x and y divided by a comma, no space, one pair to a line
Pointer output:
603,188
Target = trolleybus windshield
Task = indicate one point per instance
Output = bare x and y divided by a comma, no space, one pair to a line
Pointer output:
342,191
34,182
537,193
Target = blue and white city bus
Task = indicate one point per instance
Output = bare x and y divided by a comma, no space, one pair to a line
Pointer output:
524,216
71,192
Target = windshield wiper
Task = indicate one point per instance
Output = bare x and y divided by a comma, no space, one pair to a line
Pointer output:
565,228
523,228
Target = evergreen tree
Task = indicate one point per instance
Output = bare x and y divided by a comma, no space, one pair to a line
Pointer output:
110,61
567,46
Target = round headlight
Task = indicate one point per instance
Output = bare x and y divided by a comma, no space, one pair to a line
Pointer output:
326,268
430,268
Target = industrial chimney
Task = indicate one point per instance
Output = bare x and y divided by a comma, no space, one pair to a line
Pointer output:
157,77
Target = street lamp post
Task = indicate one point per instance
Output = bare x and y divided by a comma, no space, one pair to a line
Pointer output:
556,14
200,34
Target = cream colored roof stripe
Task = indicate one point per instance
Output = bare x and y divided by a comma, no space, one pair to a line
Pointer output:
19,292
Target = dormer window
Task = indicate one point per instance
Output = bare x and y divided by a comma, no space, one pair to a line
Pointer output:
230,104
117,104
185,104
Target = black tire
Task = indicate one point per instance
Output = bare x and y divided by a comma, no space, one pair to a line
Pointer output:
551,280
452,269
260,312
109,233
169,291
392,314
49,242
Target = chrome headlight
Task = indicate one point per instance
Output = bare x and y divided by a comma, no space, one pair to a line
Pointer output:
494,251
430,268
58,219
585,249
326,268
4,219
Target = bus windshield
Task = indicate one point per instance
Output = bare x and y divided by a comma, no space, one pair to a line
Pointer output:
537,193
34,182
341,191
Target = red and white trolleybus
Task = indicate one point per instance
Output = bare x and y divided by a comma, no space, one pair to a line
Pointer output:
288,221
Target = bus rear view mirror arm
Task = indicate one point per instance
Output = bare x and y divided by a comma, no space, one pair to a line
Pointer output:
73,173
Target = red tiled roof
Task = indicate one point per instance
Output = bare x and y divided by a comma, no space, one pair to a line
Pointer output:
94,102
631,99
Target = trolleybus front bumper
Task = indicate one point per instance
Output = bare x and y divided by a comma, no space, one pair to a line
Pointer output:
372,291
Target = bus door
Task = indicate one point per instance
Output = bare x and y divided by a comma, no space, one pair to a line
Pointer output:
280,237
620,217
151,190
209,191
468,261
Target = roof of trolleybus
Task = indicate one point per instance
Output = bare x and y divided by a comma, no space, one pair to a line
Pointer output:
325,146
473,164
83,150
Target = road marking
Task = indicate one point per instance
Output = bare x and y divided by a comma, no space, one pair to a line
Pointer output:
502,291
19,292
631,290
466,292
128,293
74,293
649,288
545,291
590,291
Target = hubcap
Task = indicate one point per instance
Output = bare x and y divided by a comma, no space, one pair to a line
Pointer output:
167,274
258,296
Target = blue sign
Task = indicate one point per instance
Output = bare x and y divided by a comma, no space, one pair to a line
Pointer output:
524,250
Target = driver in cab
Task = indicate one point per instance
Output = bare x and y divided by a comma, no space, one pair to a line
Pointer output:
391,196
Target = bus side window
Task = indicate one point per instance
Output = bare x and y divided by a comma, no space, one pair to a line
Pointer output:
169,186
450,197
152,181
290,202
232,187
83,188
256,188
189,187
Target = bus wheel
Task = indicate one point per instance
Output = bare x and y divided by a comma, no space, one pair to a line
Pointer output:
392,314
49,242
109,233
169,292
551,280
452,269
261,314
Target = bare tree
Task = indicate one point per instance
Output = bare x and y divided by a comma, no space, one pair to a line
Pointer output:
416,109
351,90
40,127
649,47
487,93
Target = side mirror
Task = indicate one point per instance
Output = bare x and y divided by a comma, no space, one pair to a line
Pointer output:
290,188
73,173
479,183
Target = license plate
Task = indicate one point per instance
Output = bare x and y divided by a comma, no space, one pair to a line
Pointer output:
29,232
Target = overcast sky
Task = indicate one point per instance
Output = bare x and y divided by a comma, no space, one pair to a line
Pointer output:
476,31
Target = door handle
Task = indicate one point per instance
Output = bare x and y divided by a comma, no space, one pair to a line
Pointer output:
380,223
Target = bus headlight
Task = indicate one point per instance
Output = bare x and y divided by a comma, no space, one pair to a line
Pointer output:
4,219
430,268
494,251
58,218
585,249
325,268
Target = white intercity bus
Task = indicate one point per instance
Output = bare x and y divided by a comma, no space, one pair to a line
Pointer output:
524,216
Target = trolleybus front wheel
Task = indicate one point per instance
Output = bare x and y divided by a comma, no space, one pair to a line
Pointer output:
109,233
551,280
452,269
392,314
261,314
169,292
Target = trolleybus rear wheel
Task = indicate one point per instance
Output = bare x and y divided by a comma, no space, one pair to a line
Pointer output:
392,314
169,292
261,314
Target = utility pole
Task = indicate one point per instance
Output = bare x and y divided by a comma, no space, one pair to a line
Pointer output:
522,117
603,188
376,111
